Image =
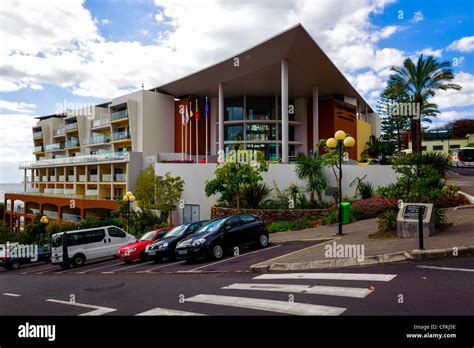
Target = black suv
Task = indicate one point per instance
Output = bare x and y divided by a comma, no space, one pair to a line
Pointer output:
223,234
165,246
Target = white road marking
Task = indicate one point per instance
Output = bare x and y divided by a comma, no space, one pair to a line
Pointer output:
110,263
98,310
231,258
96,268
36,269
331,276
448,268
165,311
285,307
10,294
304,289
162,266
123,268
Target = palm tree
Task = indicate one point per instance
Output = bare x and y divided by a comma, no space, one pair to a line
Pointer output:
310,168
417,83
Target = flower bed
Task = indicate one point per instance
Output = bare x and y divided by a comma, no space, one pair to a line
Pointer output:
373,207
271,215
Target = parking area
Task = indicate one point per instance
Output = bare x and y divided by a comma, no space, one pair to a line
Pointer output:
230,263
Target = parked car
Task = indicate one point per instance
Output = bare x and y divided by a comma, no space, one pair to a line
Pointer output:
136,250
464,157
15,262
165,247
222,235
78,246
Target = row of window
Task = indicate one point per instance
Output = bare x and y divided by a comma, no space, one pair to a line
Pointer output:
261,108
256,132
441,147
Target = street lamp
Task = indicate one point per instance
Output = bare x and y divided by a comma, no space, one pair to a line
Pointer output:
129,198
339,141
44,220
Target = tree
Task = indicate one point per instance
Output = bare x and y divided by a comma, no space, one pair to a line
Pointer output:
146,188
232,175
376,148
168,194
393,127
417,83
310,168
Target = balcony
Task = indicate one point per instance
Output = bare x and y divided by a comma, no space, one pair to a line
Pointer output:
44,178
38,149
71,143
58,191
32,189
71,217
82,178
54,147
98,139
50,214
48,190
120,178
102,157
92,192
105,122
61,178
38,134
52,178
120,136
69,191
70,178
37,178
93,177
58,132
119,115
70,127
106,177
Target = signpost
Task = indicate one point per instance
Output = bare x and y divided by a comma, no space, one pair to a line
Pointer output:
415,219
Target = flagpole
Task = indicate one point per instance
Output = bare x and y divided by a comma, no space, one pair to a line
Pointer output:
205,115
190,138
186,134
197,132
182,141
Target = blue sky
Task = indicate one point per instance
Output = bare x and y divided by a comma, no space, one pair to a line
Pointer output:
94,50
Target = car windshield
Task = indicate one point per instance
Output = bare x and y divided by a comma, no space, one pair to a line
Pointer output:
148,236
466,155
57,240
176,231
210,227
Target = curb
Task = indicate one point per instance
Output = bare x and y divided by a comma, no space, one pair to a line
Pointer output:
401,256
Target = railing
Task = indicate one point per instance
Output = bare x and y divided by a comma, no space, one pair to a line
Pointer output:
71,143
58,191
38,148
70,178
55,146
70,126
58,132
48,190
120,135
52,178
33,211
82,178
37,178
112,156
118,115
69,191
37,134
93,177
92,192
107,177
101,122
61,178
44,178
98,139
51,214
32,189
71,217
120,178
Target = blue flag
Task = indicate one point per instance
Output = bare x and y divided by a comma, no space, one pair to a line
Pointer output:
206,109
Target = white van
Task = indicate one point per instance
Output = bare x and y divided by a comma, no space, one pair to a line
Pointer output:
76,247
464,158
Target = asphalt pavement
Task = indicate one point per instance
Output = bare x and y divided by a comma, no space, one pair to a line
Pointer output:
441,287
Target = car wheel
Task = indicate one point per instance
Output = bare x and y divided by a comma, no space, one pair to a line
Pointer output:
262,241
64,265
14,265
217,252
78,261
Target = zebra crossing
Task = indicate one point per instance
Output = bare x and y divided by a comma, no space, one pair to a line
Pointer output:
285,307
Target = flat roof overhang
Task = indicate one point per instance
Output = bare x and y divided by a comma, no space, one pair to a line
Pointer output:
259,72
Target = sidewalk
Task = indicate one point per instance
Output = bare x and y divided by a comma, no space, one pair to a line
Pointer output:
377,250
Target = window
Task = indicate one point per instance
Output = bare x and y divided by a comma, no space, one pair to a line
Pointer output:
437,147
194,227
95,236
261,108
77,238
454,147
261,132
423,148
233,222
247,219
116,232
233,132
233,109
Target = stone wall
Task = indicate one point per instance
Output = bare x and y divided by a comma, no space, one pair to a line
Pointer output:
270,215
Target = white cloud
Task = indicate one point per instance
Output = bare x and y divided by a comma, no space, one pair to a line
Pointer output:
104,21
465,44
450,116
417,17
16,107
453,98
431,52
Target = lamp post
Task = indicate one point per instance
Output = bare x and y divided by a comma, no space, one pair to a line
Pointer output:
339,141
129,198
44,220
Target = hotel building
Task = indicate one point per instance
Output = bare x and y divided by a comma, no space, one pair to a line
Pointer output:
279,97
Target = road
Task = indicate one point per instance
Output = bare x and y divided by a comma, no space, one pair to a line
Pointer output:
442,287
462,177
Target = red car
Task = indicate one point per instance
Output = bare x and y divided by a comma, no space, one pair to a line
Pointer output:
136,250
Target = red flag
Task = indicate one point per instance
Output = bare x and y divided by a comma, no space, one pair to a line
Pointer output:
197,110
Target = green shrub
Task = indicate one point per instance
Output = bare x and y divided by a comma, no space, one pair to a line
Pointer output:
440,217
366,190
388,221
255,193
330,217
280,226
373,207
6,235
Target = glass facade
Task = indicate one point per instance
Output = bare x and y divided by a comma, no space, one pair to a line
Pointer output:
260,132
233,109
233,133
261,108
